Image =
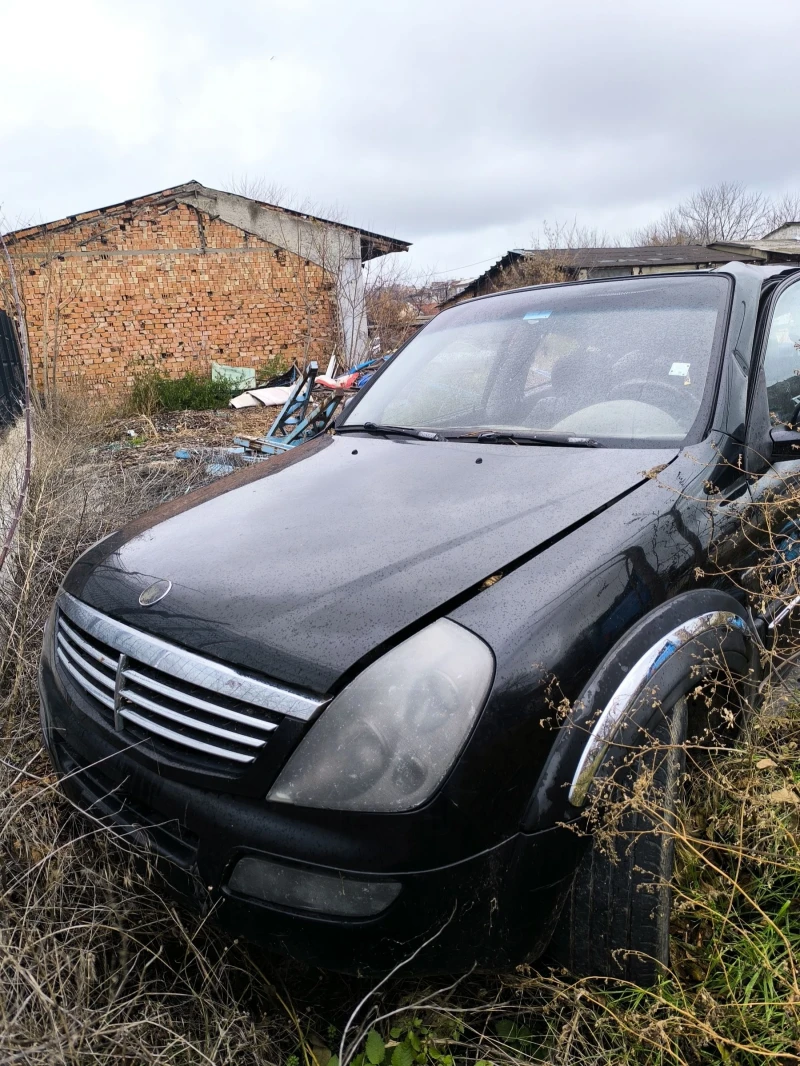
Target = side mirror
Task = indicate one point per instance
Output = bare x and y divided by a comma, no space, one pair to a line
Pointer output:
785,443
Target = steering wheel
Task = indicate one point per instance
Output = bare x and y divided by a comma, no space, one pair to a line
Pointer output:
672,399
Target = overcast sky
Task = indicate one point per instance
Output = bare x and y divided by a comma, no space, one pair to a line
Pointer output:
458,126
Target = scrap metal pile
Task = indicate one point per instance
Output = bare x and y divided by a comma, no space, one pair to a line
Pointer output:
311,404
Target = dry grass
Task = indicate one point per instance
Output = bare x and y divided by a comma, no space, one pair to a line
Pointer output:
98,967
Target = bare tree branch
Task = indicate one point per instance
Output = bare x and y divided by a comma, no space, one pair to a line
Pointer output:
258,188
728,211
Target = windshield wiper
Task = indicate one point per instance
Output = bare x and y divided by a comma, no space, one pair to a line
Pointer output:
489,436
497,436
390,431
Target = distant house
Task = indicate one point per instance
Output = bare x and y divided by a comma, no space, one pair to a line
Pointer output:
782,245
522,266
184,276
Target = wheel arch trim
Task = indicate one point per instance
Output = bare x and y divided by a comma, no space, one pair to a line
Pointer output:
631,688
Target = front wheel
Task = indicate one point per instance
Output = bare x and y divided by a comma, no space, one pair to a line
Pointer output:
615,922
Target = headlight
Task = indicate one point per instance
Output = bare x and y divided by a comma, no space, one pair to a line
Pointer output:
386,742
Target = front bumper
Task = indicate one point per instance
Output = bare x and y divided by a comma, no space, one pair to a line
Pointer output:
494,909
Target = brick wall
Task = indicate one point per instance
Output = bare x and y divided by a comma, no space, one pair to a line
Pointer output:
161,284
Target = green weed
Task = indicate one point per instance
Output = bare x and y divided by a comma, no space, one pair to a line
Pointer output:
153,391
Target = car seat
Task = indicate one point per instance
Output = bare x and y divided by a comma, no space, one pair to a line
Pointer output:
577,380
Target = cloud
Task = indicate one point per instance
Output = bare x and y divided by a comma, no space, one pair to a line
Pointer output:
451,124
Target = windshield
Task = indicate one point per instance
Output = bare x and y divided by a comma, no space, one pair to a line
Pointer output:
625,362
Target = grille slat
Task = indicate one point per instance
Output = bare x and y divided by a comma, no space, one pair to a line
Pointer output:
78,660
193,723
180,738
169,694
107,660
84,682
194,701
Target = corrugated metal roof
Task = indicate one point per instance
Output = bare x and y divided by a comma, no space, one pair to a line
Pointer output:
655,255
595,258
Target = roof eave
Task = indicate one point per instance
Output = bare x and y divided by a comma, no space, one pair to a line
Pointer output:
372,244
740,248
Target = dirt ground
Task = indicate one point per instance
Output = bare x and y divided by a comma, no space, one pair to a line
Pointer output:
139,438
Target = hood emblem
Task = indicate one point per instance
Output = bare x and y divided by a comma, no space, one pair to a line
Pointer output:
155,592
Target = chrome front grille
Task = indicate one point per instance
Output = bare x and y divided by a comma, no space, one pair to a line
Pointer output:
155,690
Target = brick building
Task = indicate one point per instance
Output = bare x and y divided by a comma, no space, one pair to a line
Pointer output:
185,276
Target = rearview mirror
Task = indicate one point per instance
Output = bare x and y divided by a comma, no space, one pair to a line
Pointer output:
785,443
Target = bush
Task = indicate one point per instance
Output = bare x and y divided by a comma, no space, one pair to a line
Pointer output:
153,391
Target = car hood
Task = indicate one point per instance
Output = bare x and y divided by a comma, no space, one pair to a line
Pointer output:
302,567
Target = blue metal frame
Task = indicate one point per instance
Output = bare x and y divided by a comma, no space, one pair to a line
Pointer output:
296,423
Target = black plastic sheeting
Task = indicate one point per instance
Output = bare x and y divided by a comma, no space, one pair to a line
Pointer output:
288,377
11,382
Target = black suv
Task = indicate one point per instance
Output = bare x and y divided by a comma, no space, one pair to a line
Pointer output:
357,696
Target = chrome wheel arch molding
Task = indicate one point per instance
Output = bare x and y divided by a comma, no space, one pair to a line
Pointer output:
631,689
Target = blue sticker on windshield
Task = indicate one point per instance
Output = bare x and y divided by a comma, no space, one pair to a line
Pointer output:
532,316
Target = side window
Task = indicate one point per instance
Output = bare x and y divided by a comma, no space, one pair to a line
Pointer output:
782,357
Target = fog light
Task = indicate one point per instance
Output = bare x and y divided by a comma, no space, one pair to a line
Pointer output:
307,890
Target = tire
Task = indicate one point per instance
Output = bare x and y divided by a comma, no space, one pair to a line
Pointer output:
615,922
